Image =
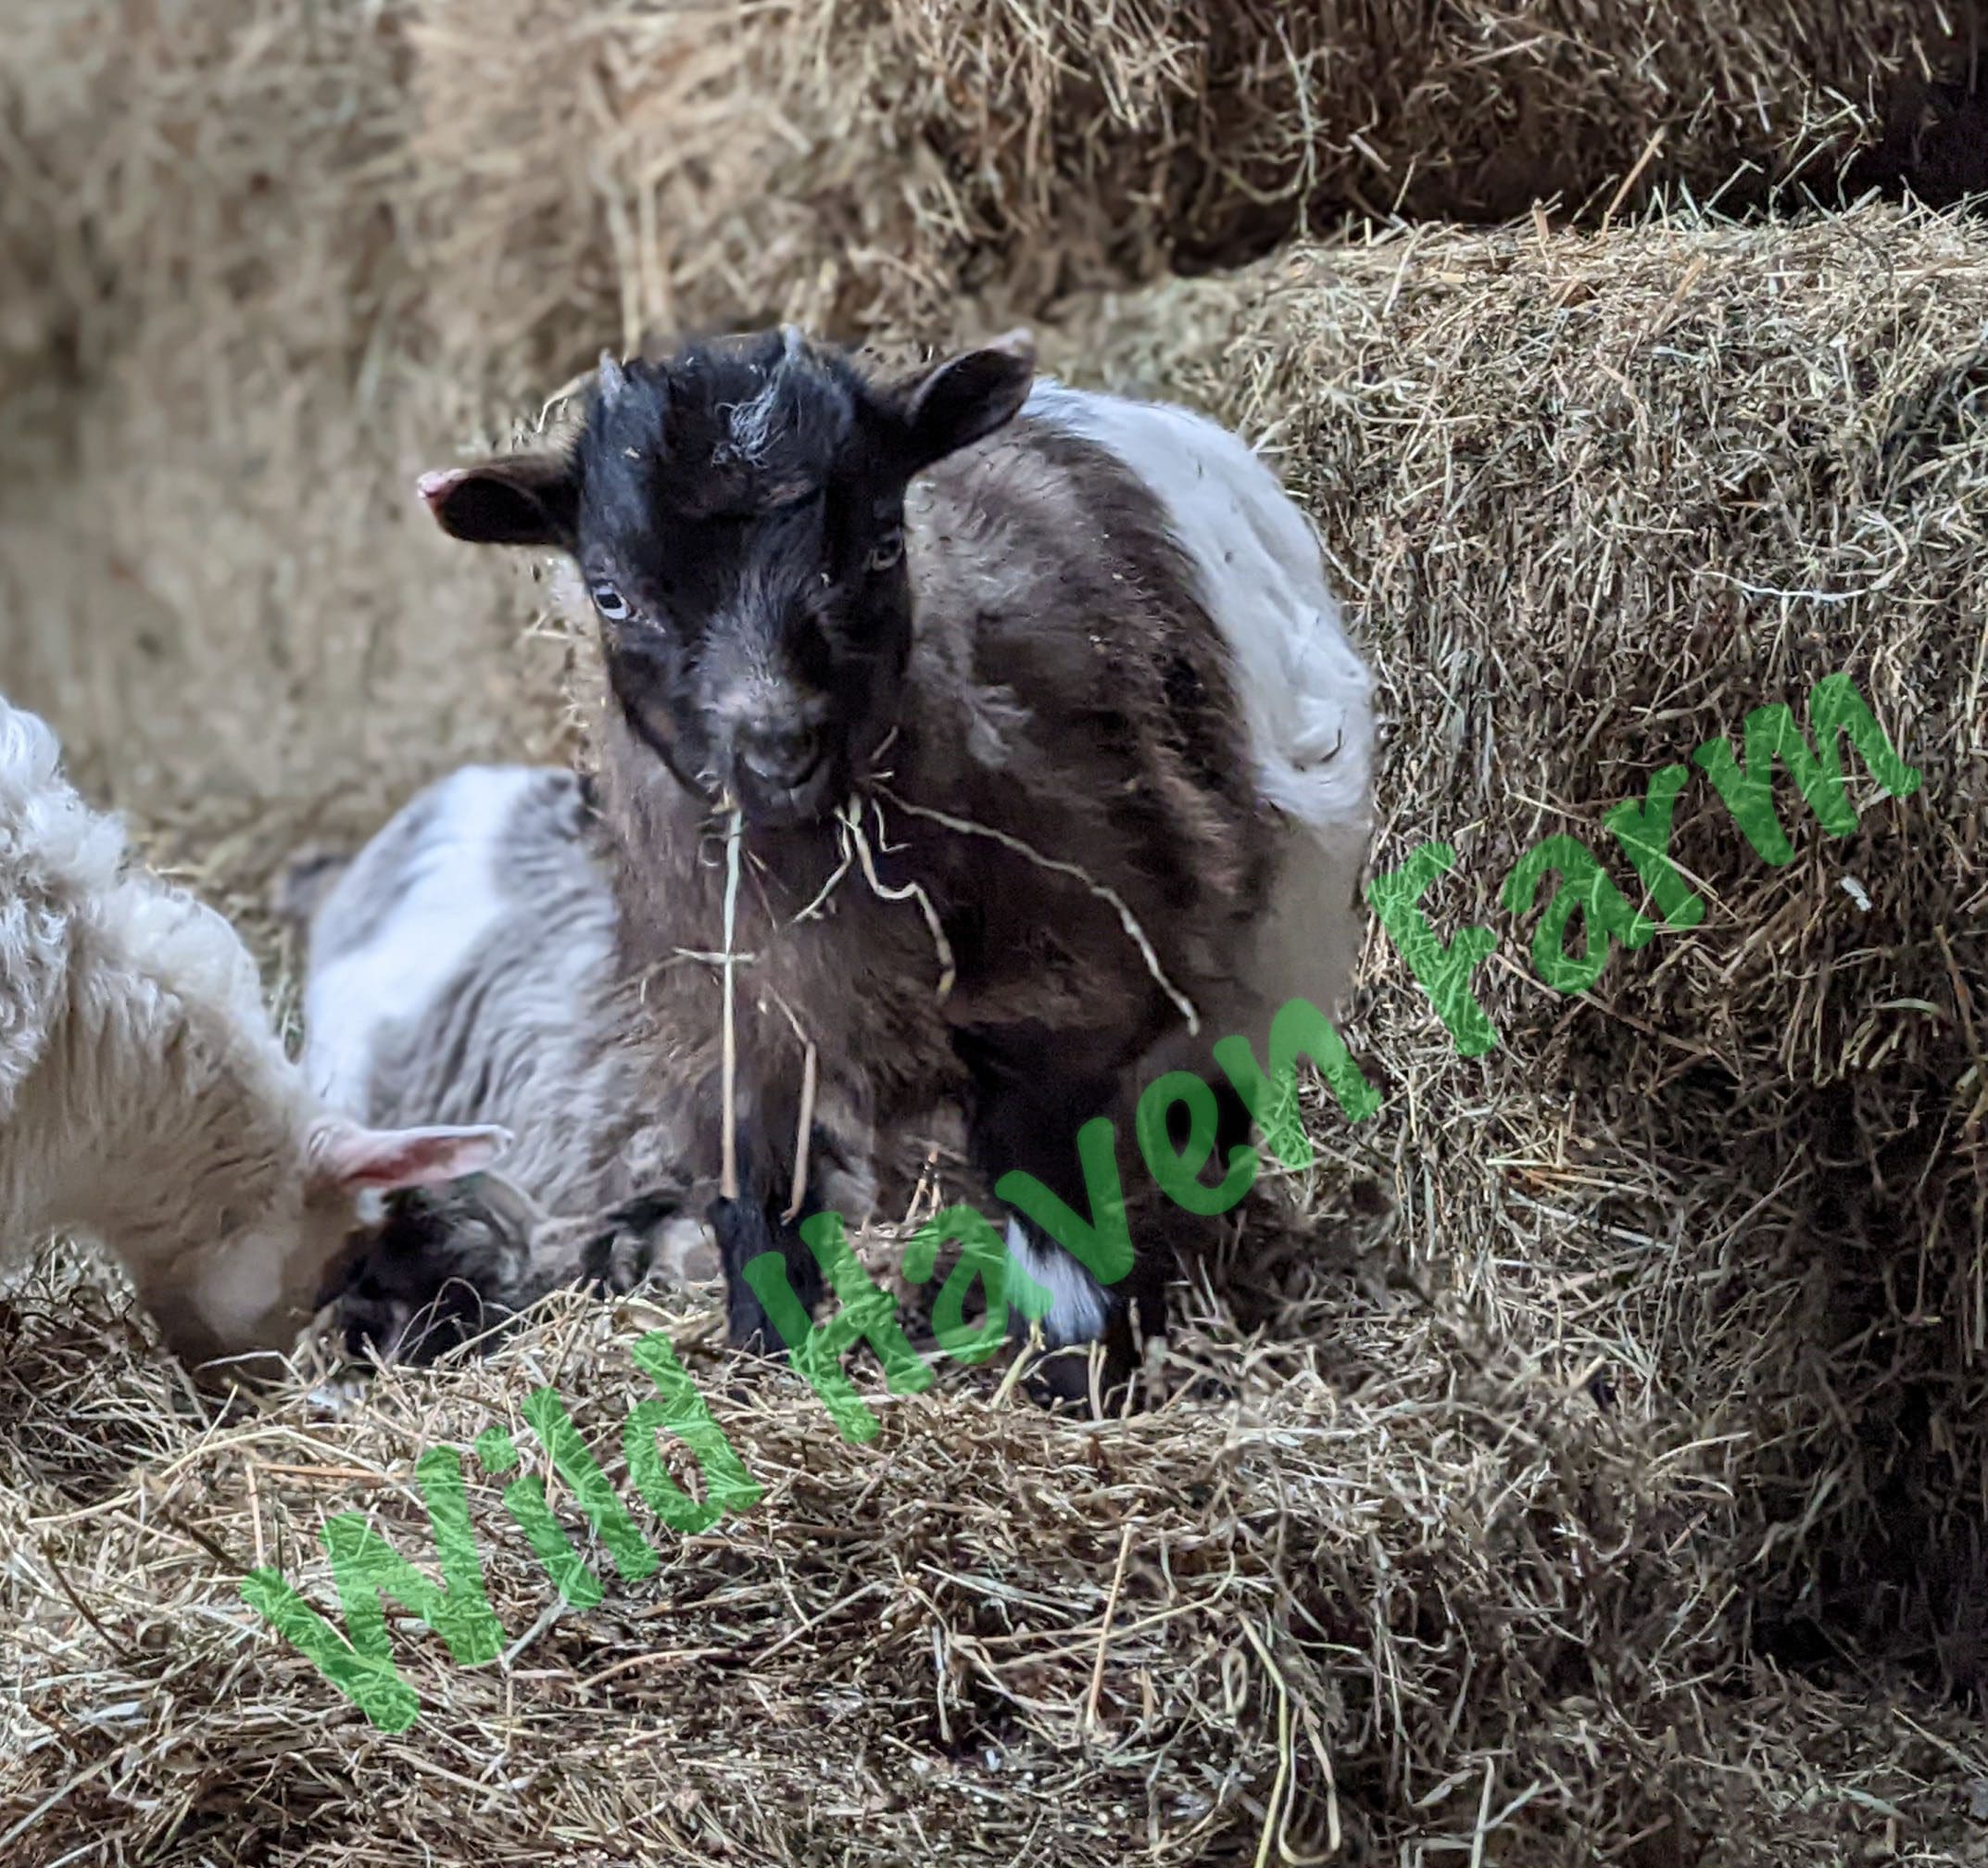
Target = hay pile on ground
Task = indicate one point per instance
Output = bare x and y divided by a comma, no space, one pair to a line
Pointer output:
1459,1608
1469,1542
923,1647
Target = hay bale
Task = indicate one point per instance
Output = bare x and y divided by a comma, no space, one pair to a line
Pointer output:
1452,1602
592,170
547,175
177,161
1597,499
213,574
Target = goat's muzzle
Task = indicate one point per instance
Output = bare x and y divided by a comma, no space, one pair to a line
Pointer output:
786,777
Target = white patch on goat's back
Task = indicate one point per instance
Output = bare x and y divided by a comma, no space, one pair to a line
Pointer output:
49,837
192,949
1077,1310
450,898
1306,693
70,897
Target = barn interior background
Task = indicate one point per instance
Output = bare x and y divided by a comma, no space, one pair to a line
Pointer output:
1611,1490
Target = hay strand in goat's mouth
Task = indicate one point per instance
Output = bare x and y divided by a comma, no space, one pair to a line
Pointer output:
728,1172
810,1057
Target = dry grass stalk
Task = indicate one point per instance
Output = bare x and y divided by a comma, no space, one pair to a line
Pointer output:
851,820
728,1177
1134,932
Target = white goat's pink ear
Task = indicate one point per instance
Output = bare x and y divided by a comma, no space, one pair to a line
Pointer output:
344,1154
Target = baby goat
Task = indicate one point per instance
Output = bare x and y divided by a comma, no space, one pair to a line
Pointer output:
1050,749
462,964
145,1098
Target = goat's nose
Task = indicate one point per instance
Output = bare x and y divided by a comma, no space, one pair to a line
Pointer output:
781,755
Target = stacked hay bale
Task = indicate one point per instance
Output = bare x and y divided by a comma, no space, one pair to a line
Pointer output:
623,170
212,569
555,173
1597,499
167,165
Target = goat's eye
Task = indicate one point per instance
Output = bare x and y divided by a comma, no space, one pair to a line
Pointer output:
609,603
888,550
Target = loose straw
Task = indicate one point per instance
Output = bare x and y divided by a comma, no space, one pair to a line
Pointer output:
1098,888
728,1177
807,1069
1105,1631
805,1128
852,818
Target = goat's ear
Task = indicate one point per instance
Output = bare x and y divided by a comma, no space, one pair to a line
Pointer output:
347,1158
967,397
517,499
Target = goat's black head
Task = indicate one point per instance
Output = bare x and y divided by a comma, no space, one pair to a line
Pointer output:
737,513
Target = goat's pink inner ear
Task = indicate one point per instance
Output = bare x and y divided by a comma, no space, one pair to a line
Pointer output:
529,499
434,488
345,1155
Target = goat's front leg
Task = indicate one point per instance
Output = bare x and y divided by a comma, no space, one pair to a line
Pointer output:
653,1238
450,1264
1028,1109
751,1225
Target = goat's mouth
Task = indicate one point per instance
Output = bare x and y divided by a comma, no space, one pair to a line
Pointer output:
778,804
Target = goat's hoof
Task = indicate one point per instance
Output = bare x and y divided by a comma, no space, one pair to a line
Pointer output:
755,1343
439,1274
1065,1382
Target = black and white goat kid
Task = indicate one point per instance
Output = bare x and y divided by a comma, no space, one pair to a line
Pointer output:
1052,752
465,958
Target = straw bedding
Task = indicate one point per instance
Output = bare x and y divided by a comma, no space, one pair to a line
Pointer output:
1609,1490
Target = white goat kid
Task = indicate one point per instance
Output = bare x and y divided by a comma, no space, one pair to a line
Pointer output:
145,1098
